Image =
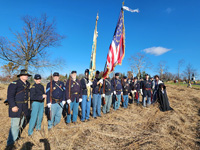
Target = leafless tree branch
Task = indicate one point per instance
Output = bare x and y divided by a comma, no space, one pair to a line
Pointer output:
29,49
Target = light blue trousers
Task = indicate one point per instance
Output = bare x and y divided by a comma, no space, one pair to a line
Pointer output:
117,103
144,101
85,106
73,106
96,105
56,113
36,117
125,103
106,107
14,130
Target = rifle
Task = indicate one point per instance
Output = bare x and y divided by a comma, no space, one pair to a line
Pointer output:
115,87
99,87
104,84
151,96
122,89
68,110
51,90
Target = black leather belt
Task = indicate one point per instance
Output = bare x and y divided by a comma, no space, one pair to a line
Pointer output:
21,102
57,100
75,93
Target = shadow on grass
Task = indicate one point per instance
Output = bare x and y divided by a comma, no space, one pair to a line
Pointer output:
198,130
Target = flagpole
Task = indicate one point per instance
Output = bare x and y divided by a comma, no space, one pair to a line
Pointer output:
123,26
123,30
95,40
92,67
93,55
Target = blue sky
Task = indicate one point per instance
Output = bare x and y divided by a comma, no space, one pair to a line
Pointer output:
161,25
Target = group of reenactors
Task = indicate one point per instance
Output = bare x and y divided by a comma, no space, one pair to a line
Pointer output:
63,96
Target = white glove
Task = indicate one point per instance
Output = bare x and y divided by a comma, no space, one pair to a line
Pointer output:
80,99
121,93
90,82
101,81
135,91
141,92
69,101
63,102
114,92
111,94
49,105
103,95
132,92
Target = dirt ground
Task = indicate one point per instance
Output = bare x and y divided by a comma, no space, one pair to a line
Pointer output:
131,128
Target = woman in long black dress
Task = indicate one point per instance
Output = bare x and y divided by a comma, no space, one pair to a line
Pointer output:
163,99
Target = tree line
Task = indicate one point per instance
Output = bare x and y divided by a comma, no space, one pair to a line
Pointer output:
139,62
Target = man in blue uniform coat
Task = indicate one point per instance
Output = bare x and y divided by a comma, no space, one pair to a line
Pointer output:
126,92
136,89
17,97
145,90
58,100
107,95
74,97
86,101
37,96
117,86
96,108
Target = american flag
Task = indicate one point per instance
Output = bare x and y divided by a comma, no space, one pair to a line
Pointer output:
117,50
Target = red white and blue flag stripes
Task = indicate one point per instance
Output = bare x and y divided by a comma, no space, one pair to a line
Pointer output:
117,47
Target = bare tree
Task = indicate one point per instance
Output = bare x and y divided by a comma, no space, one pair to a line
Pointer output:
10,69
121,75
168,76
139,62
80,76
189,70
162,68
29,48
180,64
129,74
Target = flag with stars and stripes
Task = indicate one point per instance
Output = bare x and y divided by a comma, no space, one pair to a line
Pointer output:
117,47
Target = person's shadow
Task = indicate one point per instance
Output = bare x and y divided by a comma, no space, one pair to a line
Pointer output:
46,144
27,146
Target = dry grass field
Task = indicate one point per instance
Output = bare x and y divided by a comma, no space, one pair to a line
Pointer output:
131,128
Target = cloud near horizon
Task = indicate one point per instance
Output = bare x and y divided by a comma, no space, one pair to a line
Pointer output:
156,50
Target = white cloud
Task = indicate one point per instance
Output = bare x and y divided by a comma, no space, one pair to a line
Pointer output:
156,50
169,10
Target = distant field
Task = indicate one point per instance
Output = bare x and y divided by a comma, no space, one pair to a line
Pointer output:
184,84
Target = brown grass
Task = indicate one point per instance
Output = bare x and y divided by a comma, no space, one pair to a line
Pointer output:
132,128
